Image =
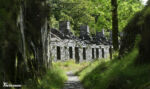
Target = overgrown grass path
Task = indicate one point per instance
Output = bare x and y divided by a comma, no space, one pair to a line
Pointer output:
73,81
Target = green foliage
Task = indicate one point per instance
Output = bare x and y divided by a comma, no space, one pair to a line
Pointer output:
116,74
95,13
139,24
126,9
53,79
75,11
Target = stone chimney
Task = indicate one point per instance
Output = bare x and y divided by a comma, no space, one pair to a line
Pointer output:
103,31
64,27
84,32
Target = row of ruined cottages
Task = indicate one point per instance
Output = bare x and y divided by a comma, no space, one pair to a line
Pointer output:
65,46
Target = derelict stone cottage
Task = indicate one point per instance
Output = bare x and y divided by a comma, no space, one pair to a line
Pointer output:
64,45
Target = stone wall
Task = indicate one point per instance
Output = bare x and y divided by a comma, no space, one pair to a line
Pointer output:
81,49
63,50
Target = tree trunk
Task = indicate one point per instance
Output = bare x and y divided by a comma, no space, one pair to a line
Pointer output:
115,24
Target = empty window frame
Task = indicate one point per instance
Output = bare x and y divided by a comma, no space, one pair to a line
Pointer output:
97,52
77,54
103,53
93,53
84,53
58,53
70,53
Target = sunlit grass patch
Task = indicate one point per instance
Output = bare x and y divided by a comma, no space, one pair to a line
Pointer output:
53,79
71,65
116,74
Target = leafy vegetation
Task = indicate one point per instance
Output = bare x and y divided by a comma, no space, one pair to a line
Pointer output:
139,24
116,74
23,51
95,13
125,73
56,76
53,79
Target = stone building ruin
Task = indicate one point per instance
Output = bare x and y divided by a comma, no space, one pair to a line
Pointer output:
64,45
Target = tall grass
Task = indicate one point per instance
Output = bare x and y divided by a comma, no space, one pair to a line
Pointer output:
56,76
71,65
53,79
116,74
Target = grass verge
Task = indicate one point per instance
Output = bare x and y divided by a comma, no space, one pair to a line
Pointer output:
70,65
116,74
53,79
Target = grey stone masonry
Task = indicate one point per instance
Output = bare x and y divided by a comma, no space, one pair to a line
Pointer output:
64,27
84,32
80,52
64,46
